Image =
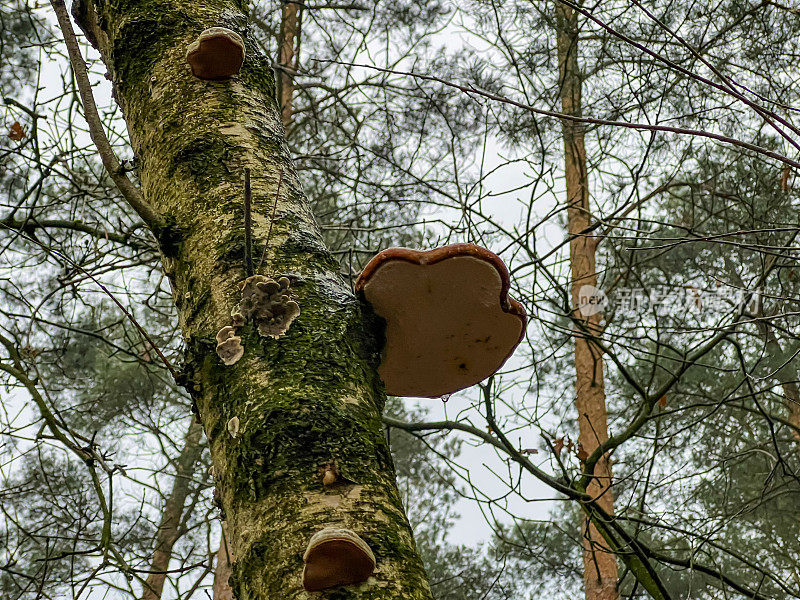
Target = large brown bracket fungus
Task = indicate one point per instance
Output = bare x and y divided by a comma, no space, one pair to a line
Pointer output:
336,557
217,53
449,320
265,302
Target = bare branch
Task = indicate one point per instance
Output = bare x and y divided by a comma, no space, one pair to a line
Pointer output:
129,191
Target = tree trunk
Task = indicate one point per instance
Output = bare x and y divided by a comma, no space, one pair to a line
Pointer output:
288,53
169,529
222,570
785,372
303,401
600,567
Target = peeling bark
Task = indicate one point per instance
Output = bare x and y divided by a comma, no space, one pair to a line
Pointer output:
304,400
600,565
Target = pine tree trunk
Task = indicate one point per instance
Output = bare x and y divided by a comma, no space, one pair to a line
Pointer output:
306,400
786,373
600,567
169,530
288,51
222,570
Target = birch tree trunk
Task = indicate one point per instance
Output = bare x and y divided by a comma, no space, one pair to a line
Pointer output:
306,400
288,50
600,567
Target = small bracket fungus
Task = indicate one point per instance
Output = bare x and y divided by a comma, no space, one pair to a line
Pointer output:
449,320
336,557
329,477
329,474
233,427
268,303
217,53
229,345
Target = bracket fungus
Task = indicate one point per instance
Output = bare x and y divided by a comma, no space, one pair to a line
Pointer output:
229,345
233,427
329,477
336,557
268,303
449,320
330,474
217,53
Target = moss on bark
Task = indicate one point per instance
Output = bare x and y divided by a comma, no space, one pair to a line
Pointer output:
305,400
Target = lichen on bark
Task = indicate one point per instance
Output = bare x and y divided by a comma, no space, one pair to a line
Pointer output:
307,399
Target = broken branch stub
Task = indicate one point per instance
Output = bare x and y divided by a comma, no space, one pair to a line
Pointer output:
450,322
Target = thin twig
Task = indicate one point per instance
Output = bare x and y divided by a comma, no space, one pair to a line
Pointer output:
127,314
469,89
30,112
129,191
248,225
271,220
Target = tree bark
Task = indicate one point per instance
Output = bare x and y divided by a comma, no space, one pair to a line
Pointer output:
600,566
222,570
169,530
288,53
308,399
786,373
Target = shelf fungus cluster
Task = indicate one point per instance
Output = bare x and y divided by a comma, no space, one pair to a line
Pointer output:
265,302
217,53
450,322
336,557
268,303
